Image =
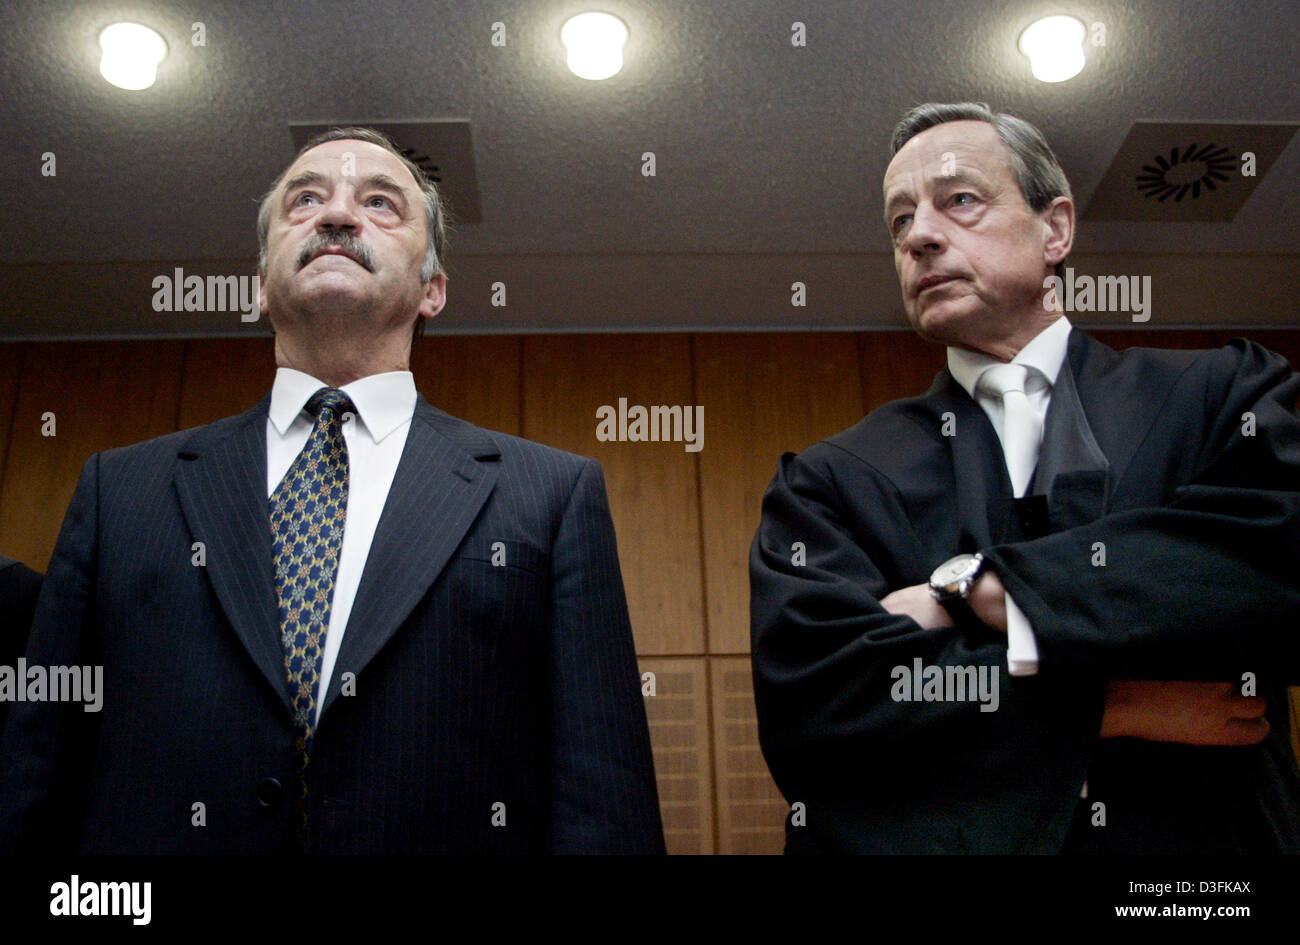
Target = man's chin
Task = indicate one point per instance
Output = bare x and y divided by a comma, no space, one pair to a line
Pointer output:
333,298
945,324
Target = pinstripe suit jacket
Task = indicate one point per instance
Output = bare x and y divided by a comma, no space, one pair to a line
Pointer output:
19,588
490,706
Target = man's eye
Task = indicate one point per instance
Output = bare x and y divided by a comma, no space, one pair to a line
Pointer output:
382,201
900,221
303,197
963,199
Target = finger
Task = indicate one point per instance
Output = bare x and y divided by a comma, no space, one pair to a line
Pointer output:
1247,707
1245,731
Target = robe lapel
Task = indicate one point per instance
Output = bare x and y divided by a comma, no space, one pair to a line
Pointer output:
1072,469
1077,465
445,475
1117,410
221,482
983,485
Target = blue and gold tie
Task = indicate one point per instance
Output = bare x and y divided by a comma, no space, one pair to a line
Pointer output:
308,509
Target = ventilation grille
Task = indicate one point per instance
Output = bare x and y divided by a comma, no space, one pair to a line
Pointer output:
1196,170
1178,172
751,811
678,715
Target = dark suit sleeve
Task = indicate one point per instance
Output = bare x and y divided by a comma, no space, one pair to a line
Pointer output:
48,746
833,540
604,798
1204,584
19,588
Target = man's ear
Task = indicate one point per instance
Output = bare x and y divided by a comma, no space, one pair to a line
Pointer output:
262,305
1058,224
435,296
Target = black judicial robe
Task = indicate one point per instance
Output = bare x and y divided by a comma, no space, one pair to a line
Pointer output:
1161,540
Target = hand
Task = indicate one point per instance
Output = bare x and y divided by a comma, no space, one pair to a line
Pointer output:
1192,713
987,599
918,603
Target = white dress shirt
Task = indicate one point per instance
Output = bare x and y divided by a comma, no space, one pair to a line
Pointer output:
385,404
1043,358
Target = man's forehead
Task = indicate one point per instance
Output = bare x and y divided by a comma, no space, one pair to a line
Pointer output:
951,149
352,157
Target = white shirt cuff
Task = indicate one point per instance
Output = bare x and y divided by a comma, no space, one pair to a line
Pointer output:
1022,647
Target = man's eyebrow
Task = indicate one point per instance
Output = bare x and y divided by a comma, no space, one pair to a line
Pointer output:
957,177
894,199
962,177
305,179
383,182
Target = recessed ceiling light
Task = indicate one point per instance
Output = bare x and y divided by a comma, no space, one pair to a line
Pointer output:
1055,48
595,44
131,55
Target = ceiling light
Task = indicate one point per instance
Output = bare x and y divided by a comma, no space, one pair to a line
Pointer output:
1055,48
595,43
131,55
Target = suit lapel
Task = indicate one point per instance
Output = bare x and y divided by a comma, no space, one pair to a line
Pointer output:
444,477
221,482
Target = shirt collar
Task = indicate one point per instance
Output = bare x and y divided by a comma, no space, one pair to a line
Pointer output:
384,401
1045,354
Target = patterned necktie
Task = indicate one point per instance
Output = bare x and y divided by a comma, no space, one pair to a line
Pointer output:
308,509
1022,431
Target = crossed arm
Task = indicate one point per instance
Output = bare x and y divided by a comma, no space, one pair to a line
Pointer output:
1193,713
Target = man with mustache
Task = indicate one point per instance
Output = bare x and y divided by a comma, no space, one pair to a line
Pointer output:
407,635
1051,604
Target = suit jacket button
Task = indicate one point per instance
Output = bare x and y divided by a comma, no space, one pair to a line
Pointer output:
269,793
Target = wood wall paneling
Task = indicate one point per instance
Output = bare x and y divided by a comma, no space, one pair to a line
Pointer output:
474,378
653,491
896,364
102,395
762,394
224,377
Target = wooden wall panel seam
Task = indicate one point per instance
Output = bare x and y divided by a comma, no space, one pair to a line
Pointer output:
699,509
712,756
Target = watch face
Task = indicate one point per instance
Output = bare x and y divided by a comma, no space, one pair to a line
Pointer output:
953,570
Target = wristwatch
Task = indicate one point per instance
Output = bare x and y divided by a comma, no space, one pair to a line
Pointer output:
951,583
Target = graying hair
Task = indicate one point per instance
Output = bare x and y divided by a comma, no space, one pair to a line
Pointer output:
1033,163
435,213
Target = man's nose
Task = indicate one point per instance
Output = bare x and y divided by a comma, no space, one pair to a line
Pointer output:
339,211
926,232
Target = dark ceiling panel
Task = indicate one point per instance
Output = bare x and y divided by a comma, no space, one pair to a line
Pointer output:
764,150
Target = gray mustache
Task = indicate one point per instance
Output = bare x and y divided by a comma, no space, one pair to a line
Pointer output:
340,238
